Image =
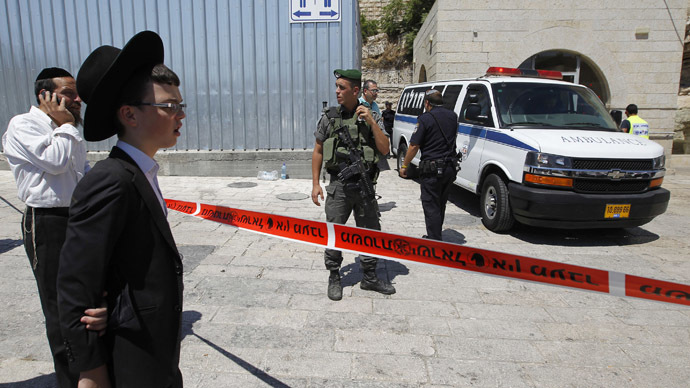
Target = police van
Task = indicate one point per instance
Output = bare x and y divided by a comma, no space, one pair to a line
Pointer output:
542,151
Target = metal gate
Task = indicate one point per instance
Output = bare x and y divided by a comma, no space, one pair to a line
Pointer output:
251,79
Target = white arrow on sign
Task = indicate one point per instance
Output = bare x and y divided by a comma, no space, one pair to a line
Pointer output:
314,11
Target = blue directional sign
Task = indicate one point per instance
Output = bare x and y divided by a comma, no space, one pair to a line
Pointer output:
314,11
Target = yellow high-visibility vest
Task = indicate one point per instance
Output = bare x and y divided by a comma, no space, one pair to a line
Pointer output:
638,126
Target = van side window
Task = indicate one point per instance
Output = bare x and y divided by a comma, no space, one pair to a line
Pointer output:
450,96
412,101
476,108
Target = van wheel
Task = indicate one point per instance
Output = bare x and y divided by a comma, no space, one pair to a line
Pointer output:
495,206
411,169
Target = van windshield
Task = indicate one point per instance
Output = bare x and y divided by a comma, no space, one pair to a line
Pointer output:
538,105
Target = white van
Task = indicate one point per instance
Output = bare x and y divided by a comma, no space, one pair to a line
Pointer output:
542,151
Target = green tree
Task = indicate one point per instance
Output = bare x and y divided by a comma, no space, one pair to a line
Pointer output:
402,20
369,27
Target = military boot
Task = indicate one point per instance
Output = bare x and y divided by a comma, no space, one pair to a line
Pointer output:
372,283
335,289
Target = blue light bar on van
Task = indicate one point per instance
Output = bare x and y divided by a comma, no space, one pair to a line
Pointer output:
509,71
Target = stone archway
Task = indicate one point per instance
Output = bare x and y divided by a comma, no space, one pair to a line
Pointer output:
585,43
422,74
575,67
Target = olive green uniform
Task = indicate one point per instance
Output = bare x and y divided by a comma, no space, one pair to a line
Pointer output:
344,197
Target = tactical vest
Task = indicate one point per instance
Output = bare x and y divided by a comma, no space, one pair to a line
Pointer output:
335,151
638,126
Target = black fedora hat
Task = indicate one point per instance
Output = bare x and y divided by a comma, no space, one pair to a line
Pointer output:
103,74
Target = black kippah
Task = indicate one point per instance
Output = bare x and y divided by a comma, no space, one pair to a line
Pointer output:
53,72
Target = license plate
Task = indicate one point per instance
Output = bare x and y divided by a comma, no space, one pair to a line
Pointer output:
617,211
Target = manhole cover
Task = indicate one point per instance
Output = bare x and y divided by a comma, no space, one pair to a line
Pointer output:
292,196
242,185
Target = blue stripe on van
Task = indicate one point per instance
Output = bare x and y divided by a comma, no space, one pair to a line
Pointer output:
406,118
493,136
478,132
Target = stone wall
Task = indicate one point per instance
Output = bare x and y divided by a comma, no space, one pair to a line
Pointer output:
390,79
390,82
372,9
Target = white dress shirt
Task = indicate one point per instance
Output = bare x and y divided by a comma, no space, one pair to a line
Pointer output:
148,166
47,161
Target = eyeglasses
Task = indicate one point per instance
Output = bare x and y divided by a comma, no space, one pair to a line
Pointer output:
374,90
175,108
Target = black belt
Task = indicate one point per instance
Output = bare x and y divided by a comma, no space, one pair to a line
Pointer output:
51,211
441,160
436,163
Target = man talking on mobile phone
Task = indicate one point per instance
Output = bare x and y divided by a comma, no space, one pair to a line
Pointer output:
47,156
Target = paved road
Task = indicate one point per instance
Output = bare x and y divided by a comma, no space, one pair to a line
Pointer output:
256,312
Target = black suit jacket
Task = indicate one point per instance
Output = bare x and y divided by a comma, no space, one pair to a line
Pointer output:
118,240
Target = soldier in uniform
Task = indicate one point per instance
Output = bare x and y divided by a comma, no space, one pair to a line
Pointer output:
435,135
346,194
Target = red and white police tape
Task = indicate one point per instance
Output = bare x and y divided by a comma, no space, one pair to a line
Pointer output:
403,248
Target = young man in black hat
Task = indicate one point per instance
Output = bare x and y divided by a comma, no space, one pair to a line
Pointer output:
47,156
346,194
118,238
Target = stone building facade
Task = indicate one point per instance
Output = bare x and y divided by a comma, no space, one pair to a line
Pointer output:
627,51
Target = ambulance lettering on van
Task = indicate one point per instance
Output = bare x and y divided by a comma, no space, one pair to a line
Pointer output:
542,151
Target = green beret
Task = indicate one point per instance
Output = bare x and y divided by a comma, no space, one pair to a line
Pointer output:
352,74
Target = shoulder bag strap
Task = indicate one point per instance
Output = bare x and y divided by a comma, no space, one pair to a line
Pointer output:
450,145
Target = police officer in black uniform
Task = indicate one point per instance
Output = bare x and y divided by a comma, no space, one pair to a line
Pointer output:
435,135
346,195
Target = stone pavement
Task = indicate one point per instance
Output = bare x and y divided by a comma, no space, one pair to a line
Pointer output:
256,312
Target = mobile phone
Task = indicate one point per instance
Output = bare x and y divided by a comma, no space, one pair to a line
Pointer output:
47,97
366,105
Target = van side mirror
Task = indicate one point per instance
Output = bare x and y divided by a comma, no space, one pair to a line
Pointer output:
617,116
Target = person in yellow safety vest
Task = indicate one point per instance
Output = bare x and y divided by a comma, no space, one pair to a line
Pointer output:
634,123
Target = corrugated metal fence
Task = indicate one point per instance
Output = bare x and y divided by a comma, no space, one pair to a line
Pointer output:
250,78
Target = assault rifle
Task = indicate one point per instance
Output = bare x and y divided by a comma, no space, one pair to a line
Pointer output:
355,167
